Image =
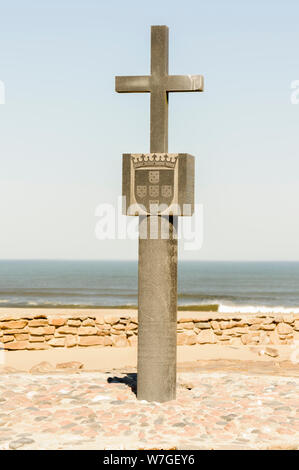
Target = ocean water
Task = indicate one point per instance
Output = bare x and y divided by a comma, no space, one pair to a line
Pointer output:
222,286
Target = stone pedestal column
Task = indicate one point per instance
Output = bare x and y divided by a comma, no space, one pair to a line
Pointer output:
157,310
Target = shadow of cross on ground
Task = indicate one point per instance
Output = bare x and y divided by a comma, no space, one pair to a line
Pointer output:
129,379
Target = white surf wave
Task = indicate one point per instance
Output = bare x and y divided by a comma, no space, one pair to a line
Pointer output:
256,309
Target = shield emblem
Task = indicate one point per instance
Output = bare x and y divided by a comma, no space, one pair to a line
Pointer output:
141,191
154,187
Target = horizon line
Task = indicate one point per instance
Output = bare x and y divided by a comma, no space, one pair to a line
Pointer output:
136,260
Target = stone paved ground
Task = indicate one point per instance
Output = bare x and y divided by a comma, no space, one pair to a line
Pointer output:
96,410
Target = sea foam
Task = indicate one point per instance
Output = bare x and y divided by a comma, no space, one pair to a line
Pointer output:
256,309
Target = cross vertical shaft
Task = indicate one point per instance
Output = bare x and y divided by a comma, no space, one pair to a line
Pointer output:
159,96
157,269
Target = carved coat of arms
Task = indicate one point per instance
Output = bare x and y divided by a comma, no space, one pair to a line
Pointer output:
154,181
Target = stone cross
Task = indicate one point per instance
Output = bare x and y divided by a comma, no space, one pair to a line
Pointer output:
157,268
159,84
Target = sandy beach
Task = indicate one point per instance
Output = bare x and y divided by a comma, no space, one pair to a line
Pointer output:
101,359
229,396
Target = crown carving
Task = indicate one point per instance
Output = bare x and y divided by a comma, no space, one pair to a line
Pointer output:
167,160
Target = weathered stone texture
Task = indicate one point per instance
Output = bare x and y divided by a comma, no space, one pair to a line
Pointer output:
37,331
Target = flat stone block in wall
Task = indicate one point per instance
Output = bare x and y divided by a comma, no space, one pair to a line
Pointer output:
37,346
186,338
224,325
80,316
24,316
11,325
88,322
112,320
130,333
218,332
107,341
133,326
37,315
36,339
7,338
22,336
57,321
74,322
254,320
91,341
255,327
38,322
284,329
118,326
206,336
215,325
106,326
288,318
57,342
116,332
42,330
202,325
71,341
87,330
66,330
268,327
15,332
236,331
16,345
241,323
186,326
184,320
103,330
267,320
9,318
48,337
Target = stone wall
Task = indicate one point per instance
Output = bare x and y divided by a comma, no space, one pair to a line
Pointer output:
36,331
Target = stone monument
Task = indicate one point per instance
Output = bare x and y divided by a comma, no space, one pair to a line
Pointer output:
158,187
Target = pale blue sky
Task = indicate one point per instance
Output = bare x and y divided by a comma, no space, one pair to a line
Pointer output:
63,128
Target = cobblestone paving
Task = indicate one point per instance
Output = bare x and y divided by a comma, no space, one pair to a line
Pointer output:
100,411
